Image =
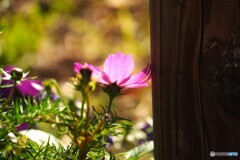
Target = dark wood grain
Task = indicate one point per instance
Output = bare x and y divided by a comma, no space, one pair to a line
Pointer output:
192,115
221,108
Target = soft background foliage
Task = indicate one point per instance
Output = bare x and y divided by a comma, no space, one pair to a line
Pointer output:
48,36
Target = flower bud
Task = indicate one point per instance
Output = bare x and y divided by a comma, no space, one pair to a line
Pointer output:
16,74
86,75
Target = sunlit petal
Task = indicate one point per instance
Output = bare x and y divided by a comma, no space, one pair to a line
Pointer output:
118,67
140,77
30,87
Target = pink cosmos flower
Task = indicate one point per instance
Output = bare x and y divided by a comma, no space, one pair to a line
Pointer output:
117,72
116,76
95,70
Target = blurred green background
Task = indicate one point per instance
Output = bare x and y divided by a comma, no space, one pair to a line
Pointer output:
48,36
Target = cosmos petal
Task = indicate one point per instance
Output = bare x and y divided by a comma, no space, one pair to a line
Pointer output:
118,67
30,87
140,77
136,85
77,67
8,69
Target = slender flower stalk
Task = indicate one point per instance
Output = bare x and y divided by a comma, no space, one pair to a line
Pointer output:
82,107
100,125
53,83
110,103
83,146
9,97
83,83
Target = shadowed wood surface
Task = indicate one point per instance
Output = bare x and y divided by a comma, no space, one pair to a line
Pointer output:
196,78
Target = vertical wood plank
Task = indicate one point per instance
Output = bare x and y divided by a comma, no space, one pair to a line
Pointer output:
164,76
155,50
176,29
190,135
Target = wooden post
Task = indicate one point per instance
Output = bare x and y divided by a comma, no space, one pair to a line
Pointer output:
196,78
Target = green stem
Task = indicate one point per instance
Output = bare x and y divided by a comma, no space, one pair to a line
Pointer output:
58,90
83,146
100,125
85,99
88,108
82,152
82,108
9,96
110,103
